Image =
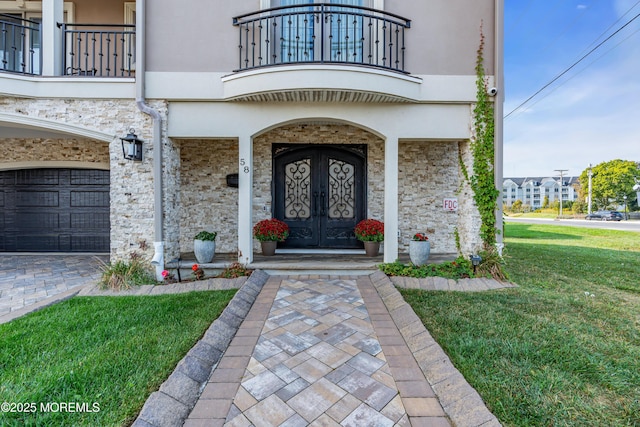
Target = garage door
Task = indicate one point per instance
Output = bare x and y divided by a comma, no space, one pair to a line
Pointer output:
54,210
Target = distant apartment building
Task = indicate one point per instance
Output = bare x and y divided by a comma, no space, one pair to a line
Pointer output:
533,190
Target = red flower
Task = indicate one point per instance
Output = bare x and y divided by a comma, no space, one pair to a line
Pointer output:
271,230
198,272
420,237
370,230
165,273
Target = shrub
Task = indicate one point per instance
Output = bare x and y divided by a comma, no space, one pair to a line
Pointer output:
235,270
459,269
125,274
492,265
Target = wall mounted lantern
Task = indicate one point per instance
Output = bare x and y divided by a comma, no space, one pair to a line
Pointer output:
132,146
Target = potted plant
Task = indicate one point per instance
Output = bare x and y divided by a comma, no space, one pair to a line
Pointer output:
269,232
371,232
204,246
419,249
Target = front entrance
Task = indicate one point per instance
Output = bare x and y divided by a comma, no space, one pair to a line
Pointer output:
320,192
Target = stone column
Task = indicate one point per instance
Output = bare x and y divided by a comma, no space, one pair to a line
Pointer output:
391,199
245,199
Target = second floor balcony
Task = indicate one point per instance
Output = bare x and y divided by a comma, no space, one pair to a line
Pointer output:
93,50
321,34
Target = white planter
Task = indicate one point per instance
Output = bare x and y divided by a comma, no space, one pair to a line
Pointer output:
419,252
204,250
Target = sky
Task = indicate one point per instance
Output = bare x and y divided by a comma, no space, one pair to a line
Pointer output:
589,115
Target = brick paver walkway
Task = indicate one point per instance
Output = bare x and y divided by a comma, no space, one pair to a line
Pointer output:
28,281
318,352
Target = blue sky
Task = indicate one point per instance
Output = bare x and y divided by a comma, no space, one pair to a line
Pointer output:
592,113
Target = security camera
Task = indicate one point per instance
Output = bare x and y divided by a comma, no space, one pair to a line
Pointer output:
493,91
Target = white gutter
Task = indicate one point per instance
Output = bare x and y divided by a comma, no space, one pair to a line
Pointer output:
158,244
498,116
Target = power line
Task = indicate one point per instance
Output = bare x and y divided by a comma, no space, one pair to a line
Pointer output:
585,67
572,65
613,25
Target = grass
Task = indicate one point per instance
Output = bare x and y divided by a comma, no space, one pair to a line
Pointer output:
111,351
563,348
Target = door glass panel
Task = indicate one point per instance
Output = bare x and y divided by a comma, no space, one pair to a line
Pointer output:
347,32
297,188
294,31
342,190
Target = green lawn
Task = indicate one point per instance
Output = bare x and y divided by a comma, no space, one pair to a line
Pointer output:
106,351
564,347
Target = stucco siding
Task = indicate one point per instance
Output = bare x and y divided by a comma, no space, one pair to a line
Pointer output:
209,42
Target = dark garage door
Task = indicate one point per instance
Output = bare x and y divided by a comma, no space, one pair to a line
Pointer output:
54,210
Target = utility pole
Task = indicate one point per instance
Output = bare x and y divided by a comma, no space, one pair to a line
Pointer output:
590,173
561,171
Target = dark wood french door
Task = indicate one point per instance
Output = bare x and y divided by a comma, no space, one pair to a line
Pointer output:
320,192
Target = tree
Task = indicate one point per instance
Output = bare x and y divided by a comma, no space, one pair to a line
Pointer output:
545,202
578,207
610,182
516,206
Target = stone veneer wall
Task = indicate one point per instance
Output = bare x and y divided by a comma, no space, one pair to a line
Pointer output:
131,183
53,150
428,173
206,201
313,133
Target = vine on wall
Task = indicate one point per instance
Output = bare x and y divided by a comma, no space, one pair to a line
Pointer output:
482,179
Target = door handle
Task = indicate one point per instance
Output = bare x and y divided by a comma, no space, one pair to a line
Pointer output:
315,204
322,203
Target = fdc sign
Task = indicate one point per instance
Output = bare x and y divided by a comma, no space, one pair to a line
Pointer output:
450,205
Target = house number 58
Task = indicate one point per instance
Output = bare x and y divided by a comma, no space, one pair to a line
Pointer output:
244,166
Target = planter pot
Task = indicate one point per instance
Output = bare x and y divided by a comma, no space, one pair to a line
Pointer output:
204,250
372,248
419,252
269,247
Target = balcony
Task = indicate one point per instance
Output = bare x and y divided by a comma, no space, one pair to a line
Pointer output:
88,50
99,50
322,34
20,41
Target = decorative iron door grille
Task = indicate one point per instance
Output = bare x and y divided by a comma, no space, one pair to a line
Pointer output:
320,192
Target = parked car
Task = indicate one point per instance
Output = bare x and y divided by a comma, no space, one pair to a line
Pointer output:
605,216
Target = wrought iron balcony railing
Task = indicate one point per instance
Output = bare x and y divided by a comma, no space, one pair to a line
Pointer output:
322,33
19,45
99,50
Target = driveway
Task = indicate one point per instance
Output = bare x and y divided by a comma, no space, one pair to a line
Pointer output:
29,282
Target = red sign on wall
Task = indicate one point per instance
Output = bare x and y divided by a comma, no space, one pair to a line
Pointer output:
450,205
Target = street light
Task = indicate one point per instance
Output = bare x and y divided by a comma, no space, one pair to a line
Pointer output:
590,173
561,185
625,207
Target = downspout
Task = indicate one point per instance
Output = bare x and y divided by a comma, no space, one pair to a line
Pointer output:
158,242
498,117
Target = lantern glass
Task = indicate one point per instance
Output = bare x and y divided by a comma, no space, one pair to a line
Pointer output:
132,146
